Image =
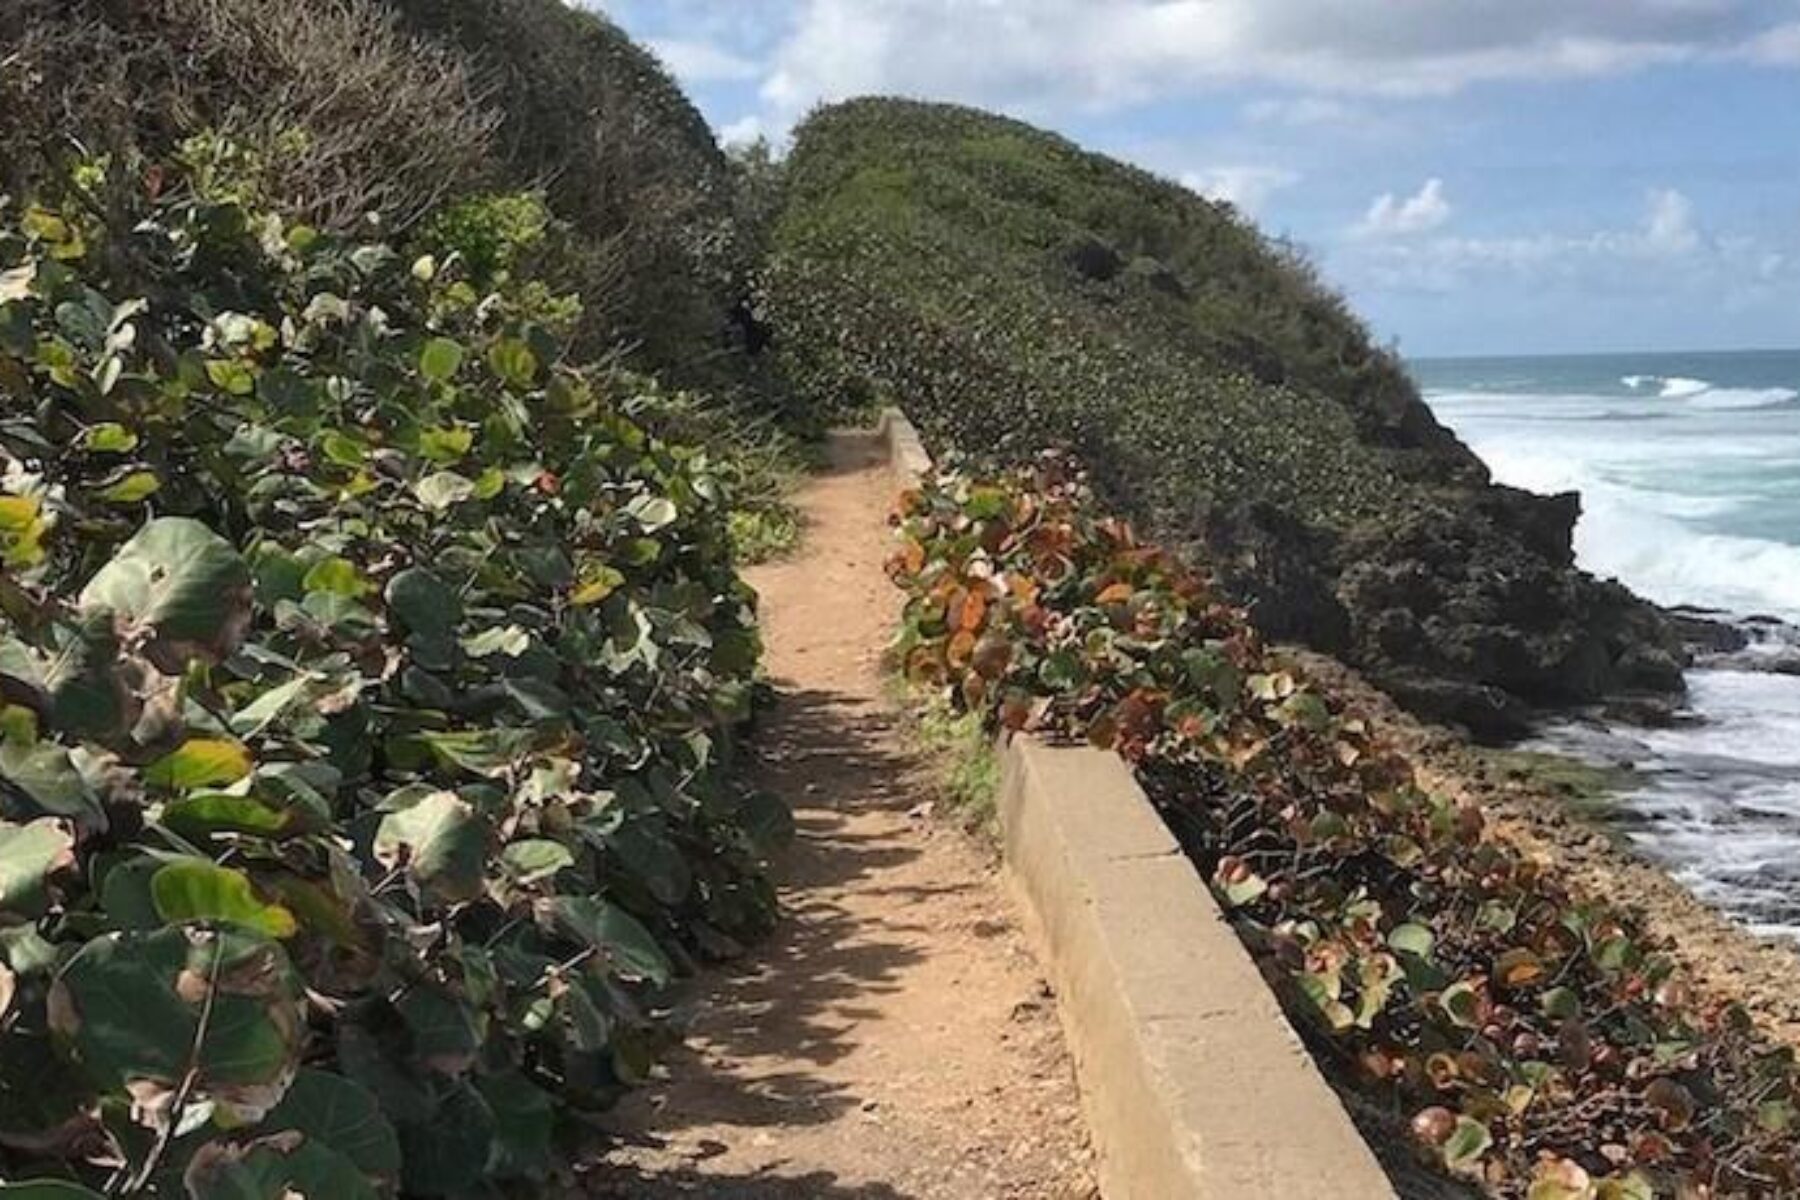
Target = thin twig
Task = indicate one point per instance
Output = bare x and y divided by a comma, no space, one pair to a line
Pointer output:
166,1134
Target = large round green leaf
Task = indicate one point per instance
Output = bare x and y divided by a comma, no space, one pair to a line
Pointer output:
207,813
182,585
77,678
277,1167
443,1153
444,1029
441,842
46,1189
343,1116
198,763
439,360
29,855
127,1009
627,946
533,860
47,776
424,604
524,1124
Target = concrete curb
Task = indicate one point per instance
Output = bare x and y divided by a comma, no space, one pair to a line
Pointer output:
906,452
1194,1084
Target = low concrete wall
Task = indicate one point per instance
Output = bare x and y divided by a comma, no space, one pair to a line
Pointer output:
1194,1083
906,453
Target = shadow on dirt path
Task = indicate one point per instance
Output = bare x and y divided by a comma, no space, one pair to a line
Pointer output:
894,1040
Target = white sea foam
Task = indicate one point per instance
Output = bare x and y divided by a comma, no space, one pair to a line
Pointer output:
1647,539
1677,388
1704,394
1720,805
1669,387
1687,489
1726,399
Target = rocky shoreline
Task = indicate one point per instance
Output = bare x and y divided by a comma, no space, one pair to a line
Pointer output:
1549,819
1468,607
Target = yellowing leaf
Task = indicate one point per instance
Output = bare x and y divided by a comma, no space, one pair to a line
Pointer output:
196,890
18,513
490,483
445,445
132,489
231,376
200,762
596,585
108,437
338,576
439,360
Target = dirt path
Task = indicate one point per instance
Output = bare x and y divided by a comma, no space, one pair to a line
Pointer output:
896,1040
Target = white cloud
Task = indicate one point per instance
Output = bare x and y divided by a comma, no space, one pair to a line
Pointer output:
1422,212
1669,226
1245,187
704,62
1302,111
1031,54
1779,46
1667,237
742,132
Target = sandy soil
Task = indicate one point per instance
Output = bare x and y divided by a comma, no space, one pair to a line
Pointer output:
896,1040
1722,958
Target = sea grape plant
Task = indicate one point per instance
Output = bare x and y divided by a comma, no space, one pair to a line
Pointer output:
1531,1038
370,676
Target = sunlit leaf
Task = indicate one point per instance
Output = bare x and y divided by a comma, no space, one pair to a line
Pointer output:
199,763
195,890
440,842
440,360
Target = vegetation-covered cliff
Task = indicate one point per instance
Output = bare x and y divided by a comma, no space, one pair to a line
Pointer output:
1014,291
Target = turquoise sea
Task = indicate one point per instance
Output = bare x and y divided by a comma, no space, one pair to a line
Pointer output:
1689,470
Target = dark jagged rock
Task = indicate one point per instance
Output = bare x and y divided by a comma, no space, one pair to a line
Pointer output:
1545,525
1489,714
1264,551
1705,631
1093,259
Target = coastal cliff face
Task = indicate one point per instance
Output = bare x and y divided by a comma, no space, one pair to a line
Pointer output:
1015,292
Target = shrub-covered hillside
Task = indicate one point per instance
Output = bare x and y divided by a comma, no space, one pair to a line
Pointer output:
1012,290
401,107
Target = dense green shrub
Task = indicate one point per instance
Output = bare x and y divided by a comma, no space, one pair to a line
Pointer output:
371,674
1535,1040
623,157
1013,292
402,107
337,111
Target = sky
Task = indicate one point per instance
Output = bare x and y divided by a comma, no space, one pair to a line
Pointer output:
1477,176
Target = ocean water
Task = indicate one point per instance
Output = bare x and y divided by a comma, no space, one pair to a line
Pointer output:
1689,470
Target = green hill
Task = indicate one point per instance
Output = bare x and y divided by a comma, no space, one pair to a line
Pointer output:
1014,291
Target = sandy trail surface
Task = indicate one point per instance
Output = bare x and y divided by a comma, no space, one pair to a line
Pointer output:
895,1040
